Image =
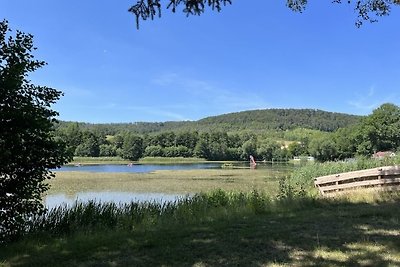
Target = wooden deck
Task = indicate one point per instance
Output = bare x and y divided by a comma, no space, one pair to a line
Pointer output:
387,178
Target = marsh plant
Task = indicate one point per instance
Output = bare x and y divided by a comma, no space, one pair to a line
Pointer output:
198,208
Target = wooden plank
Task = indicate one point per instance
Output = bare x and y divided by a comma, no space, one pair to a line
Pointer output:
345,176
387,170
361,183
379,189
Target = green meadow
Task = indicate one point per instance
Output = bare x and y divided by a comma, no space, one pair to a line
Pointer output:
180,182
218,229
233,217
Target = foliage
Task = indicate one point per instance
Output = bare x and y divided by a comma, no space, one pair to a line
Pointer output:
153,151
253,121
149,9
283,119
367,10
89,147
297,149
107,150
267,150
323,148
277,141
345,142
132,148
380,131
27,144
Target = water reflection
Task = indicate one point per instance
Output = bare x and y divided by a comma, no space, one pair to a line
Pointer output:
52,201
138,168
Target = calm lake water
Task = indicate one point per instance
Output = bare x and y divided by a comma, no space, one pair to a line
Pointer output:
143,168
139,168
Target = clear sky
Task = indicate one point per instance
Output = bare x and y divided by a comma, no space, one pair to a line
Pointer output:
253,55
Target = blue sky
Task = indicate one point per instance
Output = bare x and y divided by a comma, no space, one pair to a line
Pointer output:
253,55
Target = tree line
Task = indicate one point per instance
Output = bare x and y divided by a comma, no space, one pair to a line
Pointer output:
376,132
133,146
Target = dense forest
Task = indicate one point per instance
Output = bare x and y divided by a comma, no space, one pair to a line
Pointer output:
273,134
253,120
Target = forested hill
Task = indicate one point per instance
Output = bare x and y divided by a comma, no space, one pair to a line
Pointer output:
283,119
256,120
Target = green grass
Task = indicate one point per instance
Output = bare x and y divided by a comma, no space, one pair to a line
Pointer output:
225,229
167,181
233,226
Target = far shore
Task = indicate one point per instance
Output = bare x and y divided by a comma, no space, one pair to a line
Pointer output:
146,160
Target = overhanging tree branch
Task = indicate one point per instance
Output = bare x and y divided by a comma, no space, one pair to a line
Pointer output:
366,10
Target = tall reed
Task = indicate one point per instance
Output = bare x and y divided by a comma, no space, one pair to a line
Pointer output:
93,216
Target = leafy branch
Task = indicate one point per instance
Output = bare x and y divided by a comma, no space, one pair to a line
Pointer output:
366,10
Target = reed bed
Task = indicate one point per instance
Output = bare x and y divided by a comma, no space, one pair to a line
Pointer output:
94,216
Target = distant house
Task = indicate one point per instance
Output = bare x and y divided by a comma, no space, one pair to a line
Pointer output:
383,154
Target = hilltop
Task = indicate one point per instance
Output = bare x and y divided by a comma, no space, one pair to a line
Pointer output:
253,120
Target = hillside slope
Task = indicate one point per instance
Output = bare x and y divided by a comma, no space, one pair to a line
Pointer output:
255,120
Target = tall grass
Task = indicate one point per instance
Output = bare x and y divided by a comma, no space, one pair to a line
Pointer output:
294,193
94,216
301,180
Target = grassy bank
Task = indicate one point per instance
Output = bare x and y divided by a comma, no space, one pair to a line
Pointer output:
180,182
225,229
254,220
98,160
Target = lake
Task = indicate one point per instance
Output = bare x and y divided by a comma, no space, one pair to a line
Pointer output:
138,168
143,168
149,182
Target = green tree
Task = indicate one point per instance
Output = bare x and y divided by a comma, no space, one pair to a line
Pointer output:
380,131
107,150
27,143
345,140
72,136
268,150
249,148
202,148
367,10
132,148
90,145
323,148
187,139
297,149
154,151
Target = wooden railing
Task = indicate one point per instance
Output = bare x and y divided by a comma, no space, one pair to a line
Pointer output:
383,177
